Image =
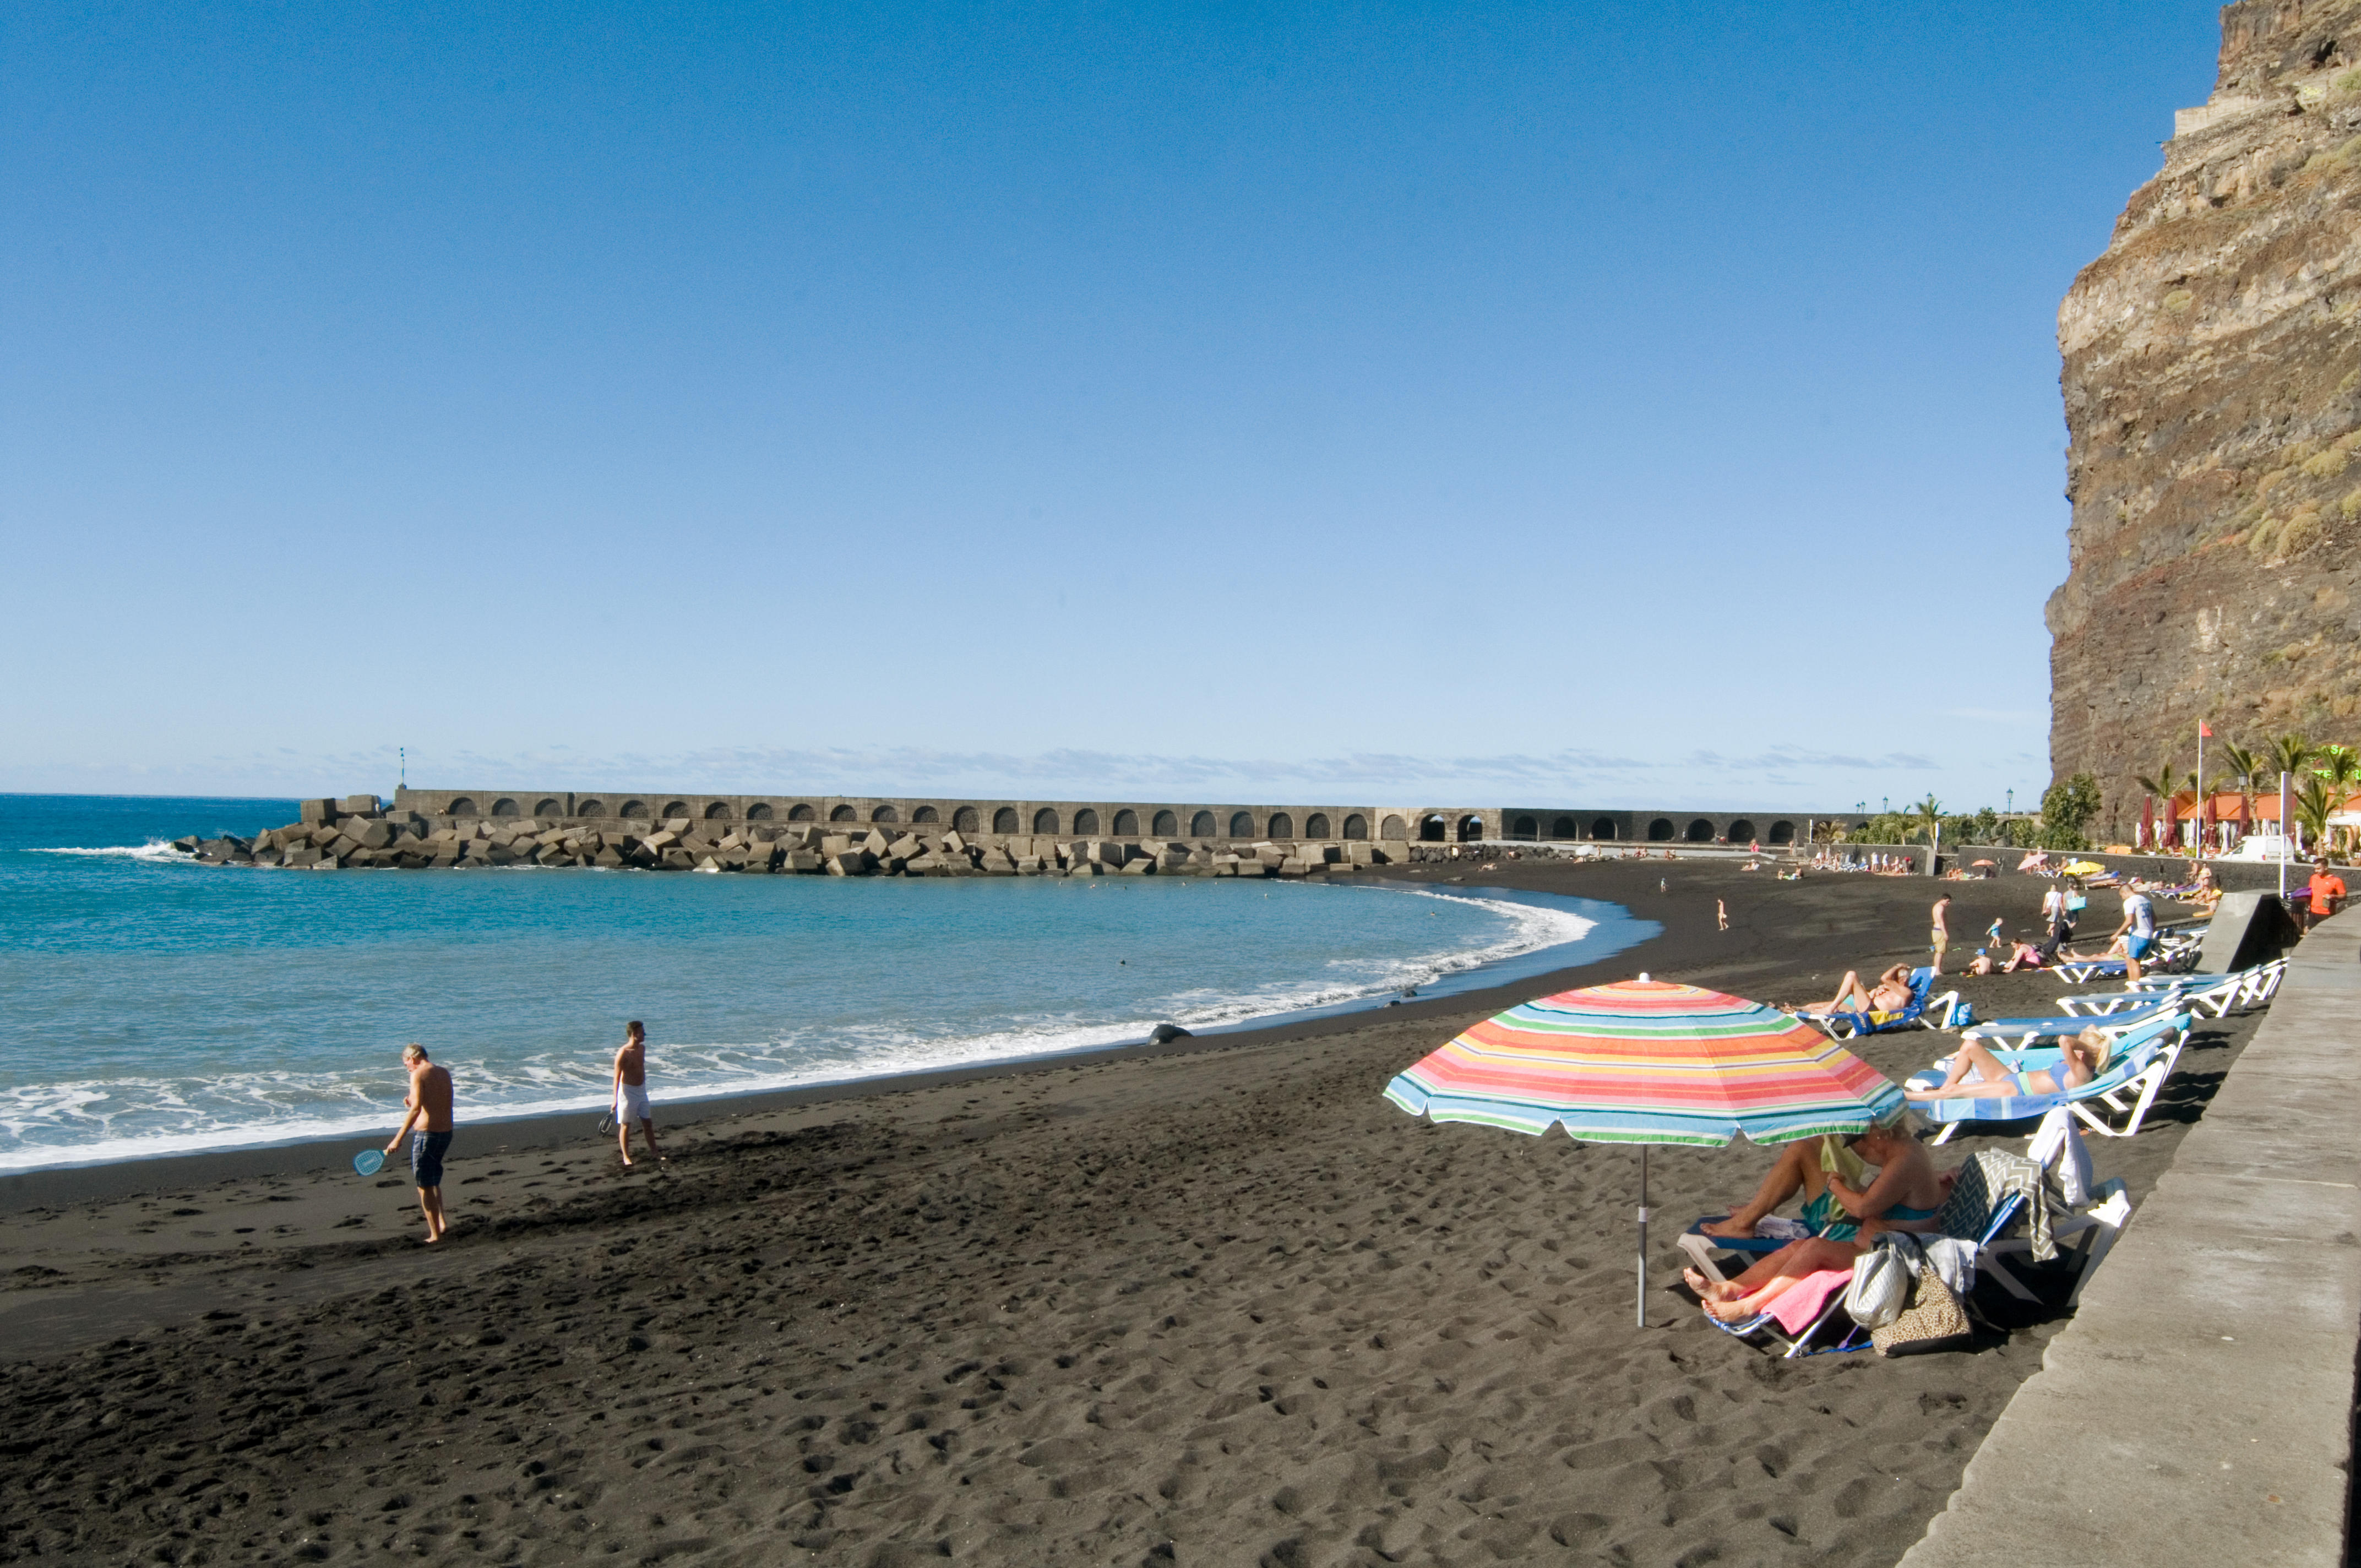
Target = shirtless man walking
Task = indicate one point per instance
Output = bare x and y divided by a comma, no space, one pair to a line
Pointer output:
632,1093
427,1125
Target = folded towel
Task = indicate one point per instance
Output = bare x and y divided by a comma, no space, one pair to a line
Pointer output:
1798,1307
1779,1228
1842,1162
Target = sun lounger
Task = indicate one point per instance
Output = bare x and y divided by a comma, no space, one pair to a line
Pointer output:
1700,1247
2099,1004
2255,985
2172,953
2213,996
2172,1028
2144,1059
2023,1033
2097,1221
1913,1015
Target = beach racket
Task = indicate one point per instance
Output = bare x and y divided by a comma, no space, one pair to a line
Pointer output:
368,1162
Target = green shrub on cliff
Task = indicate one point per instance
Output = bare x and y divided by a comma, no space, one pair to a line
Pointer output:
2067,808
2300,530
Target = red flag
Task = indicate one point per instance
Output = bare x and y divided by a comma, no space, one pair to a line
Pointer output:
2204,730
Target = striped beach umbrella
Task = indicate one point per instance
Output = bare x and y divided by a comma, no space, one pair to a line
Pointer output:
1646,1062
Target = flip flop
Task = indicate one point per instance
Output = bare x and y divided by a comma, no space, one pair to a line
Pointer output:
368,1162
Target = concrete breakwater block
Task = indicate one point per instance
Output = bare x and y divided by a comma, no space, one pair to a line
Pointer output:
359,833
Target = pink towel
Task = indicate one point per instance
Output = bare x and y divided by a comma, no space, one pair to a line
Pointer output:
1795,1308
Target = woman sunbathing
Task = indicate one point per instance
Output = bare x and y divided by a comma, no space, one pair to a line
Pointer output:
2082,1058
1904,1197
2025,955
1892,993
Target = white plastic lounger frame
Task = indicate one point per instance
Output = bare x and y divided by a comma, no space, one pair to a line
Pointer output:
1764,1323
2199,989
2099,1227
2019,1034
2254,987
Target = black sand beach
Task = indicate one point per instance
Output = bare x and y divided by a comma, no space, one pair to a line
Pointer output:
1218,1303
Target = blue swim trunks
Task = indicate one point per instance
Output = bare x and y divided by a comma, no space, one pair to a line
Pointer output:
2139,947
426,1151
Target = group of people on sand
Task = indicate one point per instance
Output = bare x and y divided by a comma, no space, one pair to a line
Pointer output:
428,1119
2134,939
1845,1217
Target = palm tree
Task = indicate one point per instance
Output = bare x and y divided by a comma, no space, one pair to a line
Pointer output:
2339,767
1929,815
2315,801
2243,767
2287,755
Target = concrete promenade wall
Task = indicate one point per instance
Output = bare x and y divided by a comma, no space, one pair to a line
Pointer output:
1129,819
2199,1409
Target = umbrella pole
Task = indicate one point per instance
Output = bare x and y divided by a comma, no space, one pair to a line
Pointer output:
1643,1235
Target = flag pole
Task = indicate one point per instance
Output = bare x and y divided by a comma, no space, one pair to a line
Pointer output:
2201,813
2283,835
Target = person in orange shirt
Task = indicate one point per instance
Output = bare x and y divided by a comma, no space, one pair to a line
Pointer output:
2327,893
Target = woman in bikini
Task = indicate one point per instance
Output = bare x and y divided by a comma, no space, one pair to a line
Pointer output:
1904,1196
2081,1060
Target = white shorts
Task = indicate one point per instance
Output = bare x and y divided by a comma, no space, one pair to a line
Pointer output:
631,1104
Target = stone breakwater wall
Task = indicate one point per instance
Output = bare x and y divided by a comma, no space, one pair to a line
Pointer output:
357,833
1196,821
837,835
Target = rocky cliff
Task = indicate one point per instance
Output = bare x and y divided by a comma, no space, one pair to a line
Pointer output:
2213,388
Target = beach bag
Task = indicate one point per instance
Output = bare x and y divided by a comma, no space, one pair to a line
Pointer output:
1880,1289
2076,903
1933,1321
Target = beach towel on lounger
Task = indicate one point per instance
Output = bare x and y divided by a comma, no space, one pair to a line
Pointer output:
1799,1306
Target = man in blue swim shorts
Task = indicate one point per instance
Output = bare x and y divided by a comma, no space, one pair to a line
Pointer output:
427,1125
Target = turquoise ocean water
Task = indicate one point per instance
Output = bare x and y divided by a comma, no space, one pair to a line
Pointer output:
156,1006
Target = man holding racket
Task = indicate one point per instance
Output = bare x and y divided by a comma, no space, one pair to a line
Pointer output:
427,1125
632,1093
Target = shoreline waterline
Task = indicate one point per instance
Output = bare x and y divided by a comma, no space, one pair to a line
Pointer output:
1551,932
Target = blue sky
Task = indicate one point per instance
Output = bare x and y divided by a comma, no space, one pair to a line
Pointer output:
1607,404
